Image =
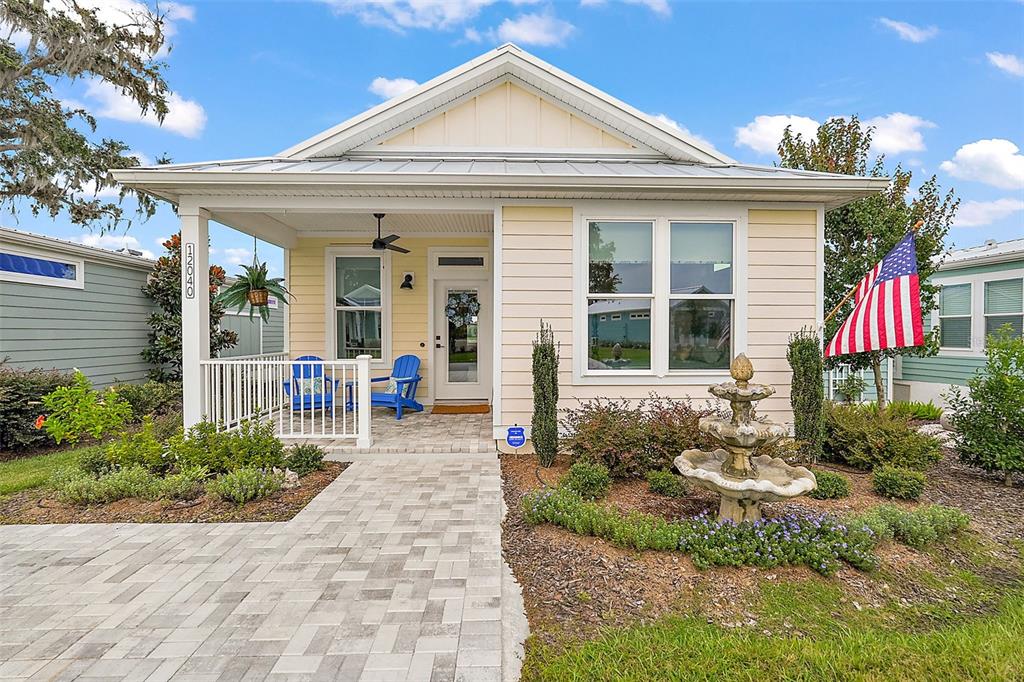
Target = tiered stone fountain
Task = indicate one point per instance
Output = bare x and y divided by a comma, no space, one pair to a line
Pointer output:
743,481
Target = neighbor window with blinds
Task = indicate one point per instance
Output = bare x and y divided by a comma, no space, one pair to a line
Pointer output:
955,316
1004,305
660,311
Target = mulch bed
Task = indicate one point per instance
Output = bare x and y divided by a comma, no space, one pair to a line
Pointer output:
40,506
574,584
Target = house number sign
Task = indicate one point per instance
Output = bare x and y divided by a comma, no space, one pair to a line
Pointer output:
190,270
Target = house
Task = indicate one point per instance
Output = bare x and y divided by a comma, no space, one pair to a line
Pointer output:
982,290
521,194
65,306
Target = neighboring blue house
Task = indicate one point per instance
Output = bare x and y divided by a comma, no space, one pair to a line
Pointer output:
64,306
982,290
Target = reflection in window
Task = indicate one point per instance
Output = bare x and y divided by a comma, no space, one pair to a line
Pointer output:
463,314
357,306
1004,305
37,267
701,258
620,257
700,334
622,342
955,316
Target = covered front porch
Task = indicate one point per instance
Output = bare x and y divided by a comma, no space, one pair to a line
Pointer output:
357,313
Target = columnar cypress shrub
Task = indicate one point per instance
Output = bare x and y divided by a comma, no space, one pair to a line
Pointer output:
544,425
807,394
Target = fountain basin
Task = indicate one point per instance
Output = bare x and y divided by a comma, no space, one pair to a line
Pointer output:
744,435
741,497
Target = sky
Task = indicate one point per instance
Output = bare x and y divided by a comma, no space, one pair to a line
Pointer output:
942,82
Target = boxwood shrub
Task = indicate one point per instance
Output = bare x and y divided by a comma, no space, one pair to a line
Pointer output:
589,480
898,483
831,486
864,438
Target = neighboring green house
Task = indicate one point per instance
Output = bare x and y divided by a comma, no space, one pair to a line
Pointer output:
64,306
982,290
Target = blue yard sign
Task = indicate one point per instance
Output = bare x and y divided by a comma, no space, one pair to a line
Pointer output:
516,436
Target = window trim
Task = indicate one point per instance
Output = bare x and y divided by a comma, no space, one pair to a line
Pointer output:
977,349
330,316
22,278
969,316
985,315
671,213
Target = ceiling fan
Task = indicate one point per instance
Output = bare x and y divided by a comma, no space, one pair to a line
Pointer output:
379,244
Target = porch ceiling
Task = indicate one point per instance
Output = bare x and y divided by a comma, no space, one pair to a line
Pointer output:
365,223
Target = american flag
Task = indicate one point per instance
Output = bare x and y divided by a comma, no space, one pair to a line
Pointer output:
887,310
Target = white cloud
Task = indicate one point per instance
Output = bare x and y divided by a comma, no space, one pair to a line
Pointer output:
910,32
235,256
114,242
399,15
994,162
898,132
979,213
764,133
185,117
672,123
543,29
473,35
661,7
391,87
1009,63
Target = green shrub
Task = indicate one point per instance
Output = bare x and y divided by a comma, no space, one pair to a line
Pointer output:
898,483
851,387
75,411
862,438
807,390
21,403
917,411
305,458
831,486
141,448
544,423
589,480
94,461
201,446
663,482
254,444
75,486
819,542
246,483
187,484
632,439
150,398
918,528
990,420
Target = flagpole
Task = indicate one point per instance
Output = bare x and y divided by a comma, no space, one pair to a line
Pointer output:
853,289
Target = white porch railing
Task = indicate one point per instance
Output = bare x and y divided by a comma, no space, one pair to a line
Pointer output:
328,399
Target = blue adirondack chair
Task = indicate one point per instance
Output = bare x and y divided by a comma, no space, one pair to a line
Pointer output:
308,388
400,393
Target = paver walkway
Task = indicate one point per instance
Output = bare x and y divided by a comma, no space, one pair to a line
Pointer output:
419,432
392,573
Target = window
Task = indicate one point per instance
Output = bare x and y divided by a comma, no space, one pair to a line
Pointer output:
358,306
955,316
664,309
38,268
1004,305
461,261
700,295
621,280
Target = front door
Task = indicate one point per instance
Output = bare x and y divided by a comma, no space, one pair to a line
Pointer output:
462,340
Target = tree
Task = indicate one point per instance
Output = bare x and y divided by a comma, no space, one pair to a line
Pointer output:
859,234
46,159
164,287
807,390
544,425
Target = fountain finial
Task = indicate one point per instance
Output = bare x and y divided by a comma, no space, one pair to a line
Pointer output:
741,370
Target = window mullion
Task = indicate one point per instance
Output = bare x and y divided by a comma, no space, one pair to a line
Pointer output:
659,306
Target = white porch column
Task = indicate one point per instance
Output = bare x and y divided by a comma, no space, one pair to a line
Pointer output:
363,437
195,309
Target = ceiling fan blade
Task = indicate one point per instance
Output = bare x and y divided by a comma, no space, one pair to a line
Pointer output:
399,249
390,238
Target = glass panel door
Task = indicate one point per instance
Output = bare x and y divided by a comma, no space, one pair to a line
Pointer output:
462,313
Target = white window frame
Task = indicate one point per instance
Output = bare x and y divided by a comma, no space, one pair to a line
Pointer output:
985,315
662,215
969,316
977,282
330,317
77,283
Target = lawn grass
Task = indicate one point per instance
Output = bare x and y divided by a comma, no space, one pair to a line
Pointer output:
31,472
688,648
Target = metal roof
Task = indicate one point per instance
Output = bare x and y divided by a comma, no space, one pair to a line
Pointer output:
95,253
989,252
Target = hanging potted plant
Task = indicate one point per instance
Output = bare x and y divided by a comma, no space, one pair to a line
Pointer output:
254,287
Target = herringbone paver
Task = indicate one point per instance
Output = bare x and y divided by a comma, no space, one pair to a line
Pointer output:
392,573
